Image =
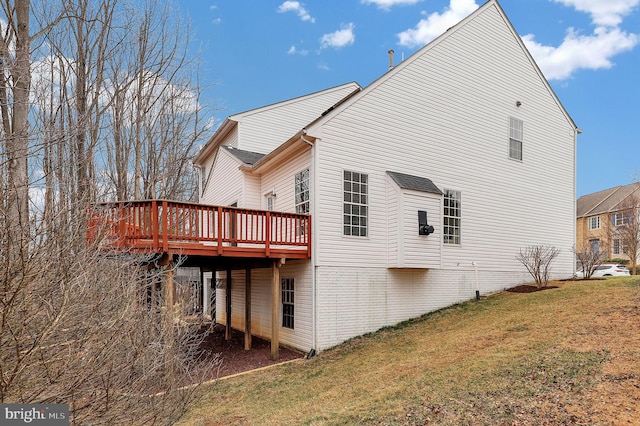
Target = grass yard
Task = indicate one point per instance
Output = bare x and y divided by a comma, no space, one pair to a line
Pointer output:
569,355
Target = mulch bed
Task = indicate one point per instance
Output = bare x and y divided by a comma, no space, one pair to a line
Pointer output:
235,359
528,288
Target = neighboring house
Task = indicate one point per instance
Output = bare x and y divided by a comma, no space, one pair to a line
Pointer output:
601,219
466,136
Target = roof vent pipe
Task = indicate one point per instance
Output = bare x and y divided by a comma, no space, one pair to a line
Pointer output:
390,59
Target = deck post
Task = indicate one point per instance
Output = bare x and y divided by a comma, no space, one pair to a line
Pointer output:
275,308
227,335
247,309
169,283
165,225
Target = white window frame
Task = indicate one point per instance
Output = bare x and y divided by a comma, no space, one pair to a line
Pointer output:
619,219
516,138
617,246
594,222
270,201
288,302
452,217
355,210
302,192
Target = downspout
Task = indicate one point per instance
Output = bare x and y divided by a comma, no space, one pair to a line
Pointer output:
314,243
576,132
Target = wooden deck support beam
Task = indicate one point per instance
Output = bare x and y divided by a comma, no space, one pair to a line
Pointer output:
275,308
169,295
228,310
247,309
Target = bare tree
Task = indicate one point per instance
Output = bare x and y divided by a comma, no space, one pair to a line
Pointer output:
15,82
589,259
156,111
537,260
74,325
75,328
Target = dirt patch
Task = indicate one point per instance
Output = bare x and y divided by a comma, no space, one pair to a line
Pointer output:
235,359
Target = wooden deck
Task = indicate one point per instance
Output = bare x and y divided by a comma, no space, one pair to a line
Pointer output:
162,226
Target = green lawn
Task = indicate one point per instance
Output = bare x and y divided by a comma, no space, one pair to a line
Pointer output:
559,356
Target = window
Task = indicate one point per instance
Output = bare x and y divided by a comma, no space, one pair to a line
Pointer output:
270,201
302,192
619,219
595,246
617,248
287,302
515,138
451,217
355,203
301,199
594,222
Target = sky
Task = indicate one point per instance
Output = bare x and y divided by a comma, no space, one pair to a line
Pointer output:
258,52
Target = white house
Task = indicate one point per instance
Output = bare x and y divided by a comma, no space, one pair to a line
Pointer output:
466,131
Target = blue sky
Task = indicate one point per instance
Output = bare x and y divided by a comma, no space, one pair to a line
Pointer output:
258,52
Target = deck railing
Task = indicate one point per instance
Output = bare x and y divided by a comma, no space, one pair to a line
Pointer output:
190,228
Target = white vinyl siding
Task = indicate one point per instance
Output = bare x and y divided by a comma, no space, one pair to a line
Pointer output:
409,121
226,168
257,132
300,270
282,180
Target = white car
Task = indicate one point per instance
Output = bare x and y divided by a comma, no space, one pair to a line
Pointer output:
608,271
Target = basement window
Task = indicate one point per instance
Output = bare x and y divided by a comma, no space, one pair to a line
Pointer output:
287,302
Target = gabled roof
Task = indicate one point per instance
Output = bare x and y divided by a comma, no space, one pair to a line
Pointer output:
605,201
415,183
247,157
355,87
232,122
420,52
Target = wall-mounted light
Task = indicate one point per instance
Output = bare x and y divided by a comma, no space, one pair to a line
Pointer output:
518,103
423,227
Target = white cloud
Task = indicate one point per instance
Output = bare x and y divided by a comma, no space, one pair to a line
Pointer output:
388,4
293,50
603,12
436,23
580,51
340,38
296,6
